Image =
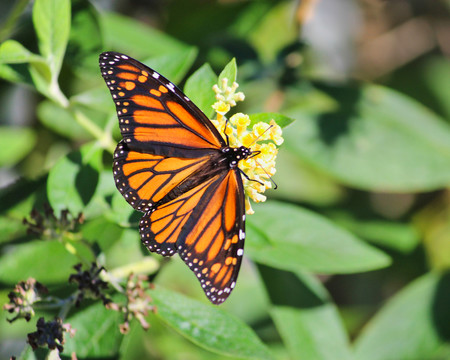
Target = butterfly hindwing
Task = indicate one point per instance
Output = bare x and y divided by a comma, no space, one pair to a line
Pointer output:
206,226
145,179
154,115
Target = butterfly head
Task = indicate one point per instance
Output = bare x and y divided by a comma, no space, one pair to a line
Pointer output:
235,154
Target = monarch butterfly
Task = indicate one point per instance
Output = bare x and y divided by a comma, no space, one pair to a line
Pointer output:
174,166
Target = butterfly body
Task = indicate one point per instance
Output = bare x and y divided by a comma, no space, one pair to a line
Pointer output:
174,166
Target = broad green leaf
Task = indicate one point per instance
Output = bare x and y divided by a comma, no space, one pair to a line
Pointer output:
46,261
208,326
42,77
83,48
229,72
414,324
73,180
136,39
97,334
29,354
13,64
16,143
123,213
97,98
288,237
305,316
61,121
395,235
173,66
199,88
11,229
18,199
437,76
280,119
375,139
102,232
8,73
100,203
273,32
13,52
51,19
316,187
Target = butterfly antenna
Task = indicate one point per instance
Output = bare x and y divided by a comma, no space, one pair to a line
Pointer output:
225,132
275,186
255,153
248,178
260,135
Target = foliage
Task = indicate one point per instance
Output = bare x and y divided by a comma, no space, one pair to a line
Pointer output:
353,158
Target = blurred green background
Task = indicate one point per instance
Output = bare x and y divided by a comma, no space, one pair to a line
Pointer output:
349,257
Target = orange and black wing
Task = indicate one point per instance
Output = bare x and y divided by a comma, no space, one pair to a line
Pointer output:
146,179
154,115
163,167
206,226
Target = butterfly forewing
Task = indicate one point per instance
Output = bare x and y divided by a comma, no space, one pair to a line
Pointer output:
154,115
170,165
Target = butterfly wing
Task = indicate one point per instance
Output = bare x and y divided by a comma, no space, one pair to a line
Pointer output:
206,225
154,115
146,179
167,166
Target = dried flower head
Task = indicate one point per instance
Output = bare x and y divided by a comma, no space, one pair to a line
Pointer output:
22,298
48,226
138,302
90,285
49,334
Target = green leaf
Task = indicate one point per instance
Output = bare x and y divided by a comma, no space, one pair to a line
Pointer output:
46,261
18,199
273,32
316,187
412,325
288,237
395,235
199,88
41,75
229,72
73,180
173,66
61,121
137,39
280,119
16,143
102,232
11,229
97,334
13,52
51,19
123,213
375,139
100,203
436,76
208,326
305,316
97,98
11,74
83,48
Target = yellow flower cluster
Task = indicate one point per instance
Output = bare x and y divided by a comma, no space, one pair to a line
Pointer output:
260,166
